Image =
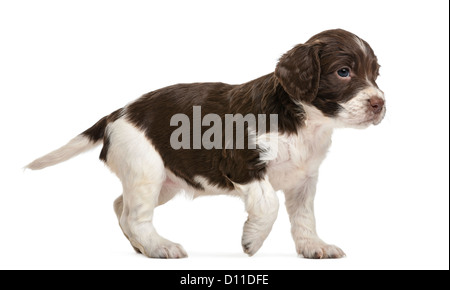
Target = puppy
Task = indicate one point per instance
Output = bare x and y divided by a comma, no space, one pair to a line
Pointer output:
181,138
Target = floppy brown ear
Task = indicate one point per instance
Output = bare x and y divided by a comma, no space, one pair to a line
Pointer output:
299,72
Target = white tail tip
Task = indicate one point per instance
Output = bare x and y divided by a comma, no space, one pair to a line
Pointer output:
75,146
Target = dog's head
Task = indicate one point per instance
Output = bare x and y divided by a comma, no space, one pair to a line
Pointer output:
336,72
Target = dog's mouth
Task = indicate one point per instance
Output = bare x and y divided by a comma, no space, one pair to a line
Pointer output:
379,117
364,120
376,122
373,119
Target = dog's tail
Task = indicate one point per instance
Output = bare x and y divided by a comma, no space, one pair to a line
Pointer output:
87,140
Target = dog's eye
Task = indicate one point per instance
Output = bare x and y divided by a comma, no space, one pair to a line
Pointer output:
344,72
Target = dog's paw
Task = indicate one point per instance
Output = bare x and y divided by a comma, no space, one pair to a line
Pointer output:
168,251
164,249
251,245
316,249
254,236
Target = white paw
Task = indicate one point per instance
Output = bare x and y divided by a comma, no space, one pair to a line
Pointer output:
251,245
316,249
168,251
164,249
253,237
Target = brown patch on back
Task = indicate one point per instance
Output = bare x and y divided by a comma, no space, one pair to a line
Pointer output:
221,167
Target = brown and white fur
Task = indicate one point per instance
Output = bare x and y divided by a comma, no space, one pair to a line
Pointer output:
326,83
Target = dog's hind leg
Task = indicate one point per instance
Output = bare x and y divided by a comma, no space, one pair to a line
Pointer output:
141,170
166,194
118,209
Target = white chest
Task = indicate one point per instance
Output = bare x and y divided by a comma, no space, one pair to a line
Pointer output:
298,157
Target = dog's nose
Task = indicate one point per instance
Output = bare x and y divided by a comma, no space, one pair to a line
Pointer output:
377,104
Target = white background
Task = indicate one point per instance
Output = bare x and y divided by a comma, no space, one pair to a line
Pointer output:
383,194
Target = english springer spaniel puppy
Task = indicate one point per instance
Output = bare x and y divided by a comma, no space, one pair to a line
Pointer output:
181,138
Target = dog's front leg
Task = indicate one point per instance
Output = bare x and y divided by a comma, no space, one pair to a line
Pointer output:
300,207
261,203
